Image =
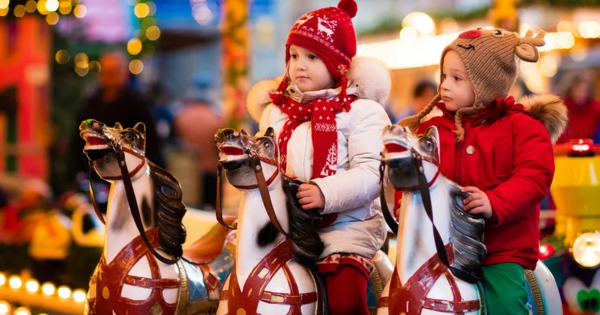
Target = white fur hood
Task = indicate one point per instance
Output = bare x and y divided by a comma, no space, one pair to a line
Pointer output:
370,75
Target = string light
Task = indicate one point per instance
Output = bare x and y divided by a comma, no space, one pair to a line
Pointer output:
79,295
4,4
48,288
2,279
32,285
22,311
153,33
64,292
30,6
52,18
52,5
15,282
19,10
134,46
4,308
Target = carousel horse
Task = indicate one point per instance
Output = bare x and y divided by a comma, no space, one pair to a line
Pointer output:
142,269
440,276
276,238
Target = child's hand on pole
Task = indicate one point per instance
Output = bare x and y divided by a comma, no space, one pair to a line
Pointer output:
478,202
310,197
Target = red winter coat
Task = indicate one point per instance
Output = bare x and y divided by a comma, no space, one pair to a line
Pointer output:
512,162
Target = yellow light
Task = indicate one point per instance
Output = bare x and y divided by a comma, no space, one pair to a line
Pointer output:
64,292
81,60
41,6
32,285
4,4
52,18
420,21
409,34
4,308
79,295
22,311
566,40
48,288
30,6
19,10
141,10
564,26
3,12
2,279
80,11
65,3
65,10
95,65
62,56
586,250
15,282
136,66
134,46
548,65
153,32
52,5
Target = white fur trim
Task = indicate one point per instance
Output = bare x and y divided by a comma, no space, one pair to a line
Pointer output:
373,79
258,97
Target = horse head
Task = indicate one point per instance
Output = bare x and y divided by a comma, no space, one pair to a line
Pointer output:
237,151
401,148
103,145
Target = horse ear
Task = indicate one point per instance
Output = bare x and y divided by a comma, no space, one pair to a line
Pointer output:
141,127
118,126
433,132
270,133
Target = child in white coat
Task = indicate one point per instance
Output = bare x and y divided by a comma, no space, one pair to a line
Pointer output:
328,119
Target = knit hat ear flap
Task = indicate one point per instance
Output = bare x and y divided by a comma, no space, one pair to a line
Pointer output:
413,122
467,111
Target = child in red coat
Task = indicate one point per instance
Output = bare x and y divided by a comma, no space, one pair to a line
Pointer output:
498,149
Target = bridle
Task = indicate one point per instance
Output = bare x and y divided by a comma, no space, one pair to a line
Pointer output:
129,192
423,188
262,185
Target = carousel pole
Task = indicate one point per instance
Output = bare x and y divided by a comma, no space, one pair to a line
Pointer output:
235,61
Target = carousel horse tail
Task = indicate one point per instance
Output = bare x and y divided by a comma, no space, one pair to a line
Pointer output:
303,226
209,246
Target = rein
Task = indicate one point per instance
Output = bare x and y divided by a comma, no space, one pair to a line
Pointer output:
426,198
262,188
133,206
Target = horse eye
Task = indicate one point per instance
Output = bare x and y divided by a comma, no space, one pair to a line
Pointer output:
498,33
267,145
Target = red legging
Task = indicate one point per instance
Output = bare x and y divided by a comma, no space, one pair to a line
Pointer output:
347,291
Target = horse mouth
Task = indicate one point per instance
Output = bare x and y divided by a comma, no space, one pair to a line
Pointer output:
94,141
395,149
232,157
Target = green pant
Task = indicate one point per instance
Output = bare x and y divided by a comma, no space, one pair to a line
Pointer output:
504,287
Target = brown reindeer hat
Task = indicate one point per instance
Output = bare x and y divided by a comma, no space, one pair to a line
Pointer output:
489,58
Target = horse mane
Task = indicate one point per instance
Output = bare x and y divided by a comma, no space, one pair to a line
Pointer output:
168,210
466,233
303,225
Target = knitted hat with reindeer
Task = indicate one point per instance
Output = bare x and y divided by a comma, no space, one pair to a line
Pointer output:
489,58
329,33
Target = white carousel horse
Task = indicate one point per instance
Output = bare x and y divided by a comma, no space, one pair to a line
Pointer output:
141,270
422,282
267,277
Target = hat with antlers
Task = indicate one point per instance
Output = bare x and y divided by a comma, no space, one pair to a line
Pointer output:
489,58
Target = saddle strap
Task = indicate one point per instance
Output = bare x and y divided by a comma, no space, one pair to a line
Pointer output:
281,298
211,278
151,283
441,305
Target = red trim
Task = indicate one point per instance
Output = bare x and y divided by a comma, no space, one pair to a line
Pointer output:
254,287
411,298
110,278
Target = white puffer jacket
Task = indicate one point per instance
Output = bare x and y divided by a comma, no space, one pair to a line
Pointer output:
353,192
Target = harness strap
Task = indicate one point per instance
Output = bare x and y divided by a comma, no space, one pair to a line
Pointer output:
143,282
219,209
